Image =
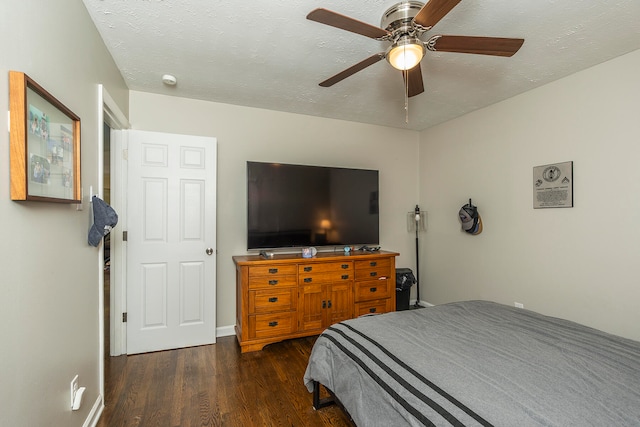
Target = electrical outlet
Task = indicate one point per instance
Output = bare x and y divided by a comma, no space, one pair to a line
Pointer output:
519,304
73,389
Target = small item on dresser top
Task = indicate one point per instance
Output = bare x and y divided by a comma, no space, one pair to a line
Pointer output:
309,252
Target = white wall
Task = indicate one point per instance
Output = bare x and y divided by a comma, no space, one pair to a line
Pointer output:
261,135
579,263
49,274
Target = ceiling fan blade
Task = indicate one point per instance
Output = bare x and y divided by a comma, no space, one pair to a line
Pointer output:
496,46
337,20
414,75
352,70
432,12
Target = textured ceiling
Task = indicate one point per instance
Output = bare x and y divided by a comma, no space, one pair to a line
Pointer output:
265,54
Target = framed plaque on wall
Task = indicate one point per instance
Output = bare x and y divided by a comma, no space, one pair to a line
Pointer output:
553,186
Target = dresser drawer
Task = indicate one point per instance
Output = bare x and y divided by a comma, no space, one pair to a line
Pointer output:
271,300
325,267
373,307
271,282
272,325
371,290
328,277
373,263
373,273
272,270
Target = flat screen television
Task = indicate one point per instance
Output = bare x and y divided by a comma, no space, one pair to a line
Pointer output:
298,205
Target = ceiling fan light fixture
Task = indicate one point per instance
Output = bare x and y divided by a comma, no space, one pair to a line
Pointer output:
406,53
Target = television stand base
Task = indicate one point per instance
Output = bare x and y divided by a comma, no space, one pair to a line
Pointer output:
282,297
266,254
369,248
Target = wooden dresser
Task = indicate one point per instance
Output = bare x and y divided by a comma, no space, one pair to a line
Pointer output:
288,296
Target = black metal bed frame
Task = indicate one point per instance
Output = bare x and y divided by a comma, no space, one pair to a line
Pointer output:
319,403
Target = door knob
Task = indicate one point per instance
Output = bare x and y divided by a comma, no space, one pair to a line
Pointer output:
209,251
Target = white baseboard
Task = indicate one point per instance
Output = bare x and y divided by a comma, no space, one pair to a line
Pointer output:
225,331
94,414
422,303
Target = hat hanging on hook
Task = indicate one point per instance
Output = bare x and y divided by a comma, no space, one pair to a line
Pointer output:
104,219
470,219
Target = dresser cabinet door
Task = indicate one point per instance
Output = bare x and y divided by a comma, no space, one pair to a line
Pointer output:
311,307
339,302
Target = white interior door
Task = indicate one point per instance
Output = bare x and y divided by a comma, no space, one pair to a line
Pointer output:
171,235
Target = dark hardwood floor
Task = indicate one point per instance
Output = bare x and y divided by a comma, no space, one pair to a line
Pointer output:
214,385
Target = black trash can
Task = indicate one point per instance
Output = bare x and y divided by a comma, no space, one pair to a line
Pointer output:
404,280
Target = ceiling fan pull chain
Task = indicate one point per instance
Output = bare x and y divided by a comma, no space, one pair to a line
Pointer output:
406,96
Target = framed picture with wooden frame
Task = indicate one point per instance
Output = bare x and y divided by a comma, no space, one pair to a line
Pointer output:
44,139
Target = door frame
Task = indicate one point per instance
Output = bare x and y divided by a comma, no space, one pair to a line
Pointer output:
110,113
118,295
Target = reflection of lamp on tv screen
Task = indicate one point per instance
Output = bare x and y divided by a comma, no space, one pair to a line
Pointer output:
298,205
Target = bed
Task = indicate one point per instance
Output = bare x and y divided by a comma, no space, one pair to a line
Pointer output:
476,363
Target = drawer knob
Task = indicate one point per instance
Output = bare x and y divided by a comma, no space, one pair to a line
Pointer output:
308,269
273,299
273,282
345,276
308,279
273,270
373,274
272,324
372,310
373,289
373,264
344,266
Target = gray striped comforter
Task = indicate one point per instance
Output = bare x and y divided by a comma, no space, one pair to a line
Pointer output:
477,363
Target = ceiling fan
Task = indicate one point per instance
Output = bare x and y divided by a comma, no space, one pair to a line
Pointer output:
403,25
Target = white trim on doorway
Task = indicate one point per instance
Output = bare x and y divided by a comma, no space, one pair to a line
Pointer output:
109,113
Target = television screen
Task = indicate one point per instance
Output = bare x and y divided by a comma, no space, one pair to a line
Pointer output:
297,205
